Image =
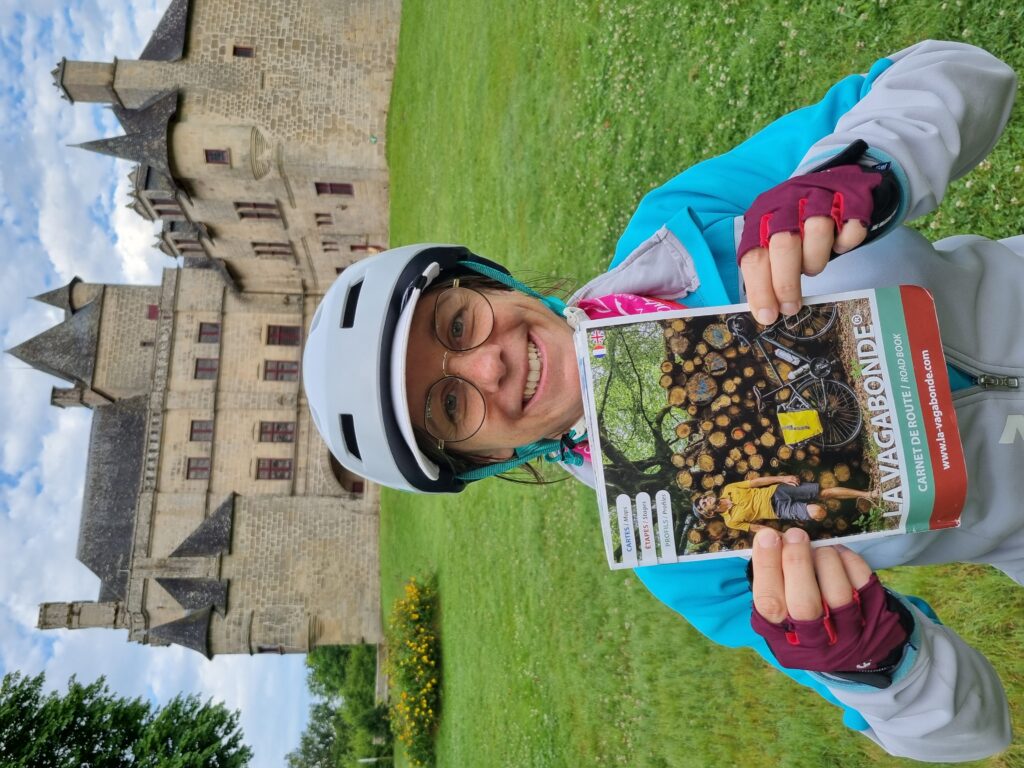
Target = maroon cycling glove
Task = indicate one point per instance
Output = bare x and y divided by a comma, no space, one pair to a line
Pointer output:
866,635
843,192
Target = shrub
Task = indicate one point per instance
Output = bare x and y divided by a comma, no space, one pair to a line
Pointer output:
415,670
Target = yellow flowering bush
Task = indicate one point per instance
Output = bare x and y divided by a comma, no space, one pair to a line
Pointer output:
414,665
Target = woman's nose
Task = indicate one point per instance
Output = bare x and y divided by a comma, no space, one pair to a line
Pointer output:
483,366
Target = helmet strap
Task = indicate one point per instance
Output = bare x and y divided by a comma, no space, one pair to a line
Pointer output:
553,303
551,450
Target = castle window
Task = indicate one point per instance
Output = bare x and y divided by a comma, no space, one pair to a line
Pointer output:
243,52
209,333
201,431
153,312
284,335
339,270
330,246
277,431
257,211
272,249
323,219
198,469
206,368
281,370
273,469
334,188
218,156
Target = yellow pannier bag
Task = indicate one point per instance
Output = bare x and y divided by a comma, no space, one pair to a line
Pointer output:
801,425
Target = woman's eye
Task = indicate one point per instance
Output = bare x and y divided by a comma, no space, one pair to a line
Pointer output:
451,406
458,327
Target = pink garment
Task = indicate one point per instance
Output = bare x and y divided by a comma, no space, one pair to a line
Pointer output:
616,305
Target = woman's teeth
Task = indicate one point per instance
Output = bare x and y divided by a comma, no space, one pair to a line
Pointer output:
533,375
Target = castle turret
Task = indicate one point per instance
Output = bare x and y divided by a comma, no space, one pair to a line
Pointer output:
83,615
89,81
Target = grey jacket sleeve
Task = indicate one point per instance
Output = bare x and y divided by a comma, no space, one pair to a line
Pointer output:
936,112
947,705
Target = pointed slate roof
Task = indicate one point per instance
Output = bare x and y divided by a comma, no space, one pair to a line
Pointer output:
193,594
146,139
212,536
59,297
168,40
191,631
68,349
113,476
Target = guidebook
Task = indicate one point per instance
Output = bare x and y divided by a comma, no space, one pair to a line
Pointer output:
705,426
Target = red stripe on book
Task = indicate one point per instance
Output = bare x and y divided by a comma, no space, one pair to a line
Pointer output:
944,447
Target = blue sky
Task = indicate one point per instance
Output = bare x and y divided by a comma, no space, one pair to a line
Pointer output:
62,214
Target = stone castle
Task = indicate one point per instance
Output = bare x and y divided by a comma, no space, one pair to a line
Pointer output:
213,514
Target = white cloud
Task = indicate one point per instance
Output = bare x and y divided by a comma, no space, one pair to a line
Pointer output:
140,261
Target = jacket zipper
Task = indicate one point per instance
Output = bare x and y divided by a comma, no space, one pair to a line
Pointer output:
989,381
981,379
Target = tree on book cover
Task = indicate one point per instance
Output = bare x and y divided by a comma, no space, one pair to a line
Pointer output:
745,425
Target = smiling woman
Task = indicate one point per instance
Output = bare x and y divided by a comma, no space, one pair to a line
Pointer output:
401,346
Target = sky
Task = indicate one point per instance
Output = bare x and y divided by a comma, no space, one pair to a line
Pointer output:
62,214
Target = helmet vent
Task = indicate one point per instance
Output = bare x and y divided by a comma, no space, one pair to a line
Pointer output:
348,316
348,433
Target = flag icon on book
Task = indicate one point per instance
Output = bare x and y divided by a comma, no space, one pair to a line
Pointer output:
597,348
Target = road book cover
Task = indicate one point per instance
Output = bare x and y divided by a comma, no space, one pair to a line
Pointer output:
705,426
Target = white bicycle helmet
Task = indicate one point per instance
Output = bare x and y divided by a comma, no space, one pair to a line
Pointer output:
354,364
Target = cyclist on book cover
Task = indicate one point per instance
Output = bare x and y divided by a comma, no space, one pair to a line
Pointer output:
748,504
466,373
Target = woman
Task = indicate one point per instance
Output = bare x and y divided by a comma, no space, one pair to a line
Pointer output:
459,381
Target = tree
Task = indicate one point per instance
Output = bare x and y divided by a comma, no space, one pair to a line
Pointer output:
187,733
327,665
88,726
324,743
345,723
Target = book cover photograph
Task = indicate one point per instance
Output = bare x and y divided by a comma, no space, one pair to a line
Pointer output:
706,426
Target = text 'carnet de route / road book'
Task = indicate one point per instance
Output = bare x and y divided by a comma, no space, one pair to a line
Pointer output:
705,426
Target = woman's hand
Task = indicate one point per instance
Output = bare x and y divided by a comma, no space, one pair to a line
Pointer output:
795,227
822,609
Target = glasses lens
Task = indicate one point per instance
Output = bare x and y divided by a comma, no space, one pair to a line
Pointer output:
463,318
455,410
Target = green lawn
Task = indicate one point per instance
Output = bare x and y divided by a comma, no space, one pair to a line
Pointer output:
529,130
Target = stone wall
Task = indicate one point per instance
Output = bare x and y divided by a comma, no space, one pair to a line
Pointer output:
303,571
125,352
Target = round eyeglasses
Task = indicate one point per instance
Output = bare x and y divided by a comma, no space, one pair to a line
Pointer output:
455,408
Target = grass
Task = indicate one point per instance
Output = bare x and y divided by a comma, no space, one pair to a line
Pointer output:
530,130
